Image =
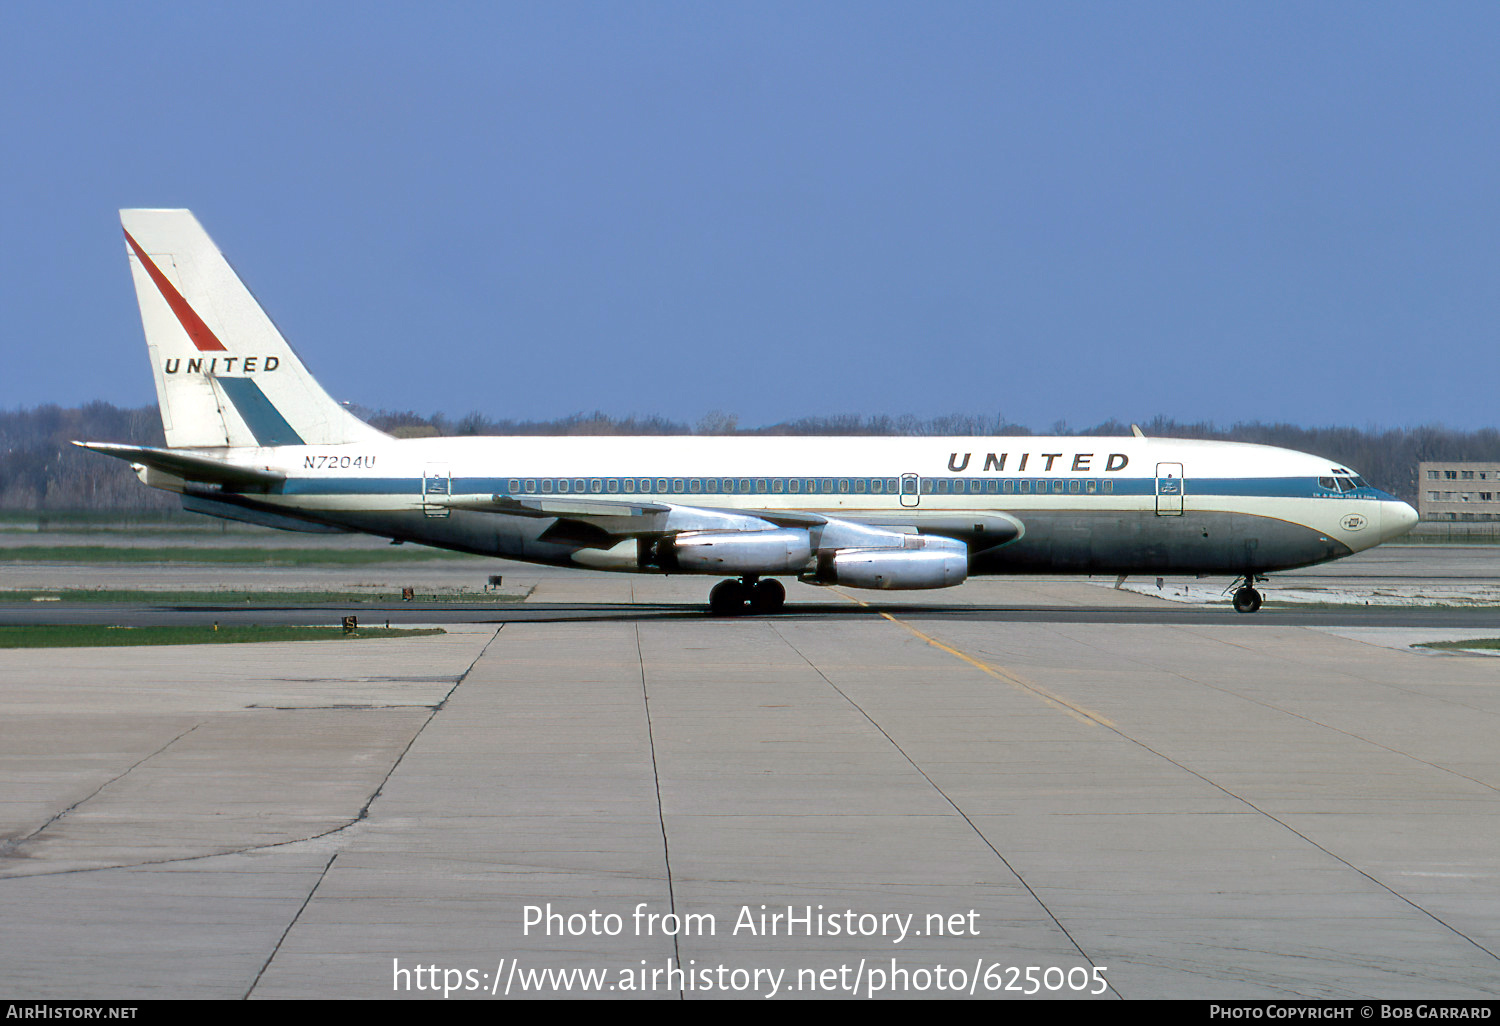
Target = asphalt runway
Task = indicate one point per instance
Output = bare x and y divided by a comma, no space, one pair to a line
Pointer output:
604,791
449,613
998,600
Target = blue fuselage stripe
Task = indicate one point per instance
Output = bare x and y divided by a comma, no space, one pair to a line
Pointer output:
949,487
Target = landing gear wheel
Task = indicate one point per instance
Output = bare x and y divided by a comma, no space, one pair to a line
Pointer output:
728,598
1246,600
768,596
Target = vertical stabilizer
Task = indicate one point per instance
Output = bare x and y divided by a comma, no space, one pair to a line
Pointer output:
224,375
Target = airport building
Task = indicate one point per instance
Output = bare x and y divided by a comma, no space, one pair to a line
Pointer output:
1458,491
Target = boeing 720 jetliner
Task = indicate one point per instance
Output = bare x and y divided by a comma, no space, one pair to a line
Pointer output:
252,436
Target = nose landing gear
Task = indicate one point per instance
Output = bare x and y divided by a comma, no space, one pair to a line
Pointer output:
729,598
1246,598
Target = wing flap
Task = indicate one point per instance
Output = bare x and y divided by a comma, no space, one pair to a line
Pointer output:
618,520
549,506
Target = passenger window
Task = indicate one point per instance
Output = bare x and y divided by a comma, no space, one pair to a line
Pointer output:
515,486
876,486
612,485
1025,487
530,485
828,486
843,486
1074,486
661,485
1007,485
859,486
1093,486
547,486
596,486
562,486
1109,486
776,485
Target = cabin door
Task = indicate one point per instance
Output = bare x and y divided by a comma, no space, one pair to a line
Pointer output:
1169,487
437,486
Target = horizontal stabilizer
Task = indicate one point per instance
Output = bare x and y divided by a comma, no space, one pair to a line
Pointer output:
188,466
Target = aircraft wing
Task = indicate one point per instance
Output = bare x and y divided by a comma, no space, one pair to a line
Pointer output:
609,520
614,519
189,466
556,506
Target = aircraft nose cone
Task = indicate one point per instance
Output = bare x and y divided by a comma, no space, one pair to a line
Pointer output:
1396,519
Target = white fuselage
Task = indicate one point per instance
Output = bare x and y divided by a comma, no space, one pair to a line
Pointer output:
410,487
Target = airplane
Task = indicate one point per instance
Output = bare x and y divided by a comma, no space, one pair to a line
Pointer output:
251,436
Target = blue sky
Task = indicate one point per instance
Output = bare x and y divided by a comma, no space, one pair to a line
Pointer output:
1051,211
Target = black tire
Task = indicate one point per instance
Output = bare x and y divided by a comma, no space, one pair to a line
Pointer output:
1246,600
727,598
768,596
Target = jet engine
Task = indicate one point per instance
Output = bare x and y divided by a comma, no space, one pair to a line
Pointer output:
781,551
894,569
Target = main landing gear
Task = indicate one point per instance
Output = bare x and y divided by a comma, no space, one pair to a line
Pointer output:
1246,598
729,598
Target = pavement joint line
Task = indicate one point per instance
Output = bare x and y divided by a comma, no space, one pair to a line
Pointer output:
661,816
1056,701
1161,755
1390,685
284,933
10,846
1293,830
1328,726
365,809
951,803
330,832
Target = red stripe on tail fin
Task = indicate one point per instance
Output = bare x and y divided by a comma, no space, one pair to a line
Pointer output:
202,336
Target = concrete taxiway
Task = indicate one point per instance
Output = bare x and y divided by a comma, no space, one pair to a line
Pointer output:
1234,808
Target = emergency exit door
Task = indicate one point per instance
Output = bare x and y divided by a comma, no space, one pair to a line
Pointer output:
911,490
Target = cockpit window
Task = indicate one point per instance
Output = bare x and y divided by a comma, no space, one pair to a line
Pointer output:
1359,482
1345,484
1326,482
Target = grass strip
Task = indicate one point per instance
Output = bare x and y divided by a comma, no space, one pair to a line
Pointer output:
93,596
102,636
245,555
1451,646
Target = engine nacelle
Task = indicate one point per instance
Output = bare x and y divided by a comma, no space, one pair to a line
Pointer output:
782,551
895,569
